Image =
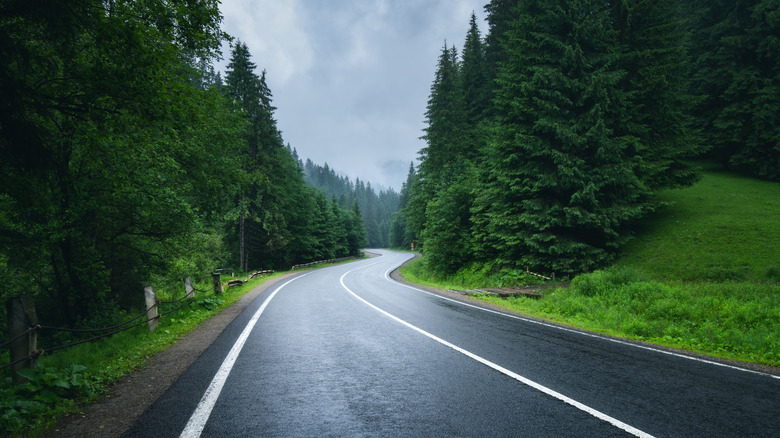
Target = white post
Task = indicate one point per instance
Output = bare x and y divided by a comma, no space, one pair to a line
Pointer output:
188,288
151,307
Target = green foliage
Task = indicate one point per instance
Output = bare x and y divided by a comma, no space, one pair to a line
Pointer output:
45,389
60,381
107,146
731,319
573,113
653,59
471,276
447,238
356,231
275,219
561,185
733,46
377,209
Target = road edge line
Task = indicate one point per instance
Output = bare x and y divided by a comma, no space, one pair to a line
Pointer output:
202,412
539,387
581,332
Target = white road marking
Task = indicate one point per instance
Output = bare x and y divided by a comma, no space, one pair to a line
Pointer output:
202,412
583,333
598,414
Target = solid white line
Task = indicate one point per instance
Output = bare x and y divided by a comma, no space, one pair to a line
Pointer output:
583,333
598,414
202,412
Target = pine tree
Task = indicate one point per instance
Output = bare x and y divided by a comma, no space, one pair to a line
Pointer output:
561,187
446,120
474,85
651,52
356,231
401,235
737,70
447,234
243,88
500,15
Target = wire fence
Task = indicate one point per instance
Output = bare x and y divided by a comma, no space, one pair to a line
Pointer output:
320,262
135,321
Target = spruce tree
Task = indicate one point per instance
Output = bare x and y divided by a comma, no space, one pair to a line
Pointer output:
447,234
474,85
446,119
737,71
356,231
561,186
500,15
651,53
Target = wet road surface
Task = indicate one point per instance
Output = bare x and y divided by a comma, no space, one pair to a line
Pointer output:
347,351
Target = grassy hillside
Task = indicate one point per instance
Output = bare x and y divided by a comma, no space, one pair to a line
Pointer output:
724,228
703,274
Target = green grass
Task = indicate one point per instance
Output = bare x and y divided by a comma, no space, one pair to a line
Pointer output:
702,274
23,412
723,228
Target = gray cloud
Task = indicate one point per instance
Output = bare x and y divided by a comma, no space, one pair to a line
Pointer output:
351,78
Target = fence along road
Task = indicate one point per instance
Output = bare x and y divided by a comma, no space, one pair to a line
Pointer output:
345,351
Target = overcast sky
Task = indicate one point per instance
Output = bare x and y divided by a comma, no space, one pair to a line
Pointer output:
351,78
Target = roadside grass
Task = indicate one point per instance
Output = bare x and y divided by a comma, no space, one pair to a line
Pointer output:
702,275
81,373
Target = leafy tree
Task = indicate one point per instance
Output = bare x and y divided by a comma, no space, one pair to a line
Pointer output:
97,162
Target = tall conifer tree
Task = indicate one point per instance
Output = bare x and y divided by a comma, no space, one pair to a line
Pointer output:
737,71
474,83
651,53
562,186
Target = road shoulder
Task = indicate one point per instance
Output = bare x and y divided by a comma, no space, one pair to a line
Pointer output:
114,412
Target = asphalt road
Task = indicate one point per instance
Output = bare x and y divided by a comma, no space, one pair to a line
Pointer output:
347,351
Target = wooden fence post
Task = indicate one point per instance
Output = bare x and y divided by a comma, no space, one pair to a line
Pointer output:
215,276
151,307
21,317
188,288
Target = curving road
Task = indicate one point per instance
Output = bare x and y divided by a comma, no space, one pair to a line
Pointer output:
347,351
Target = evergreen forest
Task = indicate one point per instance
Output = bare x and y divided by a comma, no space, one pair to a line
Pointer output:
376,208
548,138
126,160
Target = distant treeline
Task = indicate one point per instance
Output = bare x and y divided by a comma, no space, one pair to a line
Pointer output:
377,208
126,160
546,140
